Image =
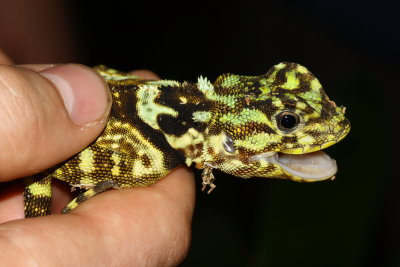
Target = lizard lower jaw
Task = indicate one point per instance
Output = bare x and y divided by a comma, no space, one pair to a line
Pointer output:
310,167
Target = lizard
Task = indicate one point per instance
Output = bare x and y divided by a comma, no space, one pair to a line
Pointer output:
273,125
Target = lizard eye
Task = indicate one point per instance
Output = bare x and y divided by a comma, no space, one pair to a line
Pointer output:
228,143
287,120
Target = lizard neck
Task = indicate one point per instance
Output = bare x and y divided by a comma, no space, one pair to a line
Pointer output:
181,112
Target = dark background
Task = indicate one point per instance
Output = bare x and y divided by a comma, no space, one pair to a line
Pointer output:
351,46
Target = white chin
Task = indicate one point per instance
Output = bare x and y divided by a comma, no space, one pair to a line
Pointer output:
315,166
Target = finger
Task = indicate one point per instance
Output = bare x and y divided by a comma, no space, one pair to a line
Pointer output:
148,228
4,59
48,116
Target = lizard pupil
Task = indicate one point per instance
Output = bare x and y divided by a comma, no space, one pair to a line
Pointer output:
288,121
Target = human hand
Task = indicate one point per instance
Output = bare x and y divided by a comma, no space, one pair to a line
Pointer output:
136,226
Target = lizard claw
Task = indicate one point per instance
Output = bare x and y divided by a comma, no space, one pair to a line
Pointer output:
208,179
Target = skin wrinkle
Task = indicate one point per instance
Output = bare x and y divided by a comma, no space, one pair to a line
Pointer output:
7,239
41,117
19,108
180,237
5,84
23,112
17,238
7,110
182,232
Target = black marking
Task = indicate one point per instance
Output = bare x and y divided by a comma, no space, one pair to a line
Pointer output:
328,109
305,80
289,104
171,125
267,107
314,133
344,124
183,122
81,198
280,77
145,160
308,109
254,89
289,139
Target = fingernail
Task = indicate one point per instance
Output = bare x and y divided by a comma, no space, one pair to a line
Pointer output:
85,94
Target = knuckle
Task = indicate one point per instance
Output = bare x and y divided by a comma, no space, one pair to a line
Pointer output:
25,113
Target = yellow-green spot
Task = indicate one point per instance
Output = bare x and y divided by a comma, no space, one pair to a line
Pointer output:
313,99
280,66
40,189
201,116
116,158
183,100
90,193
115,146
72,205
191,137
306,139
265,89
87,160
180,142
148,109
292,82
301,105
315,85
115,169
302,69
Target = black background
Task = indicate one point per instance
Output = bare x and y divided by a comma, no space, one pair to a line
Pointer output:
351,46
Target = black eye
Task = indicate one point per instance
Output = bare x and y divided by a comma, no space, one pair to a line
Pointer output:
228,143
287,120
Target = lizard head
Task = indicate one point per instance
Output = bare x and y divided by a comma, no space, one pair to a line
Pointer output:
273,125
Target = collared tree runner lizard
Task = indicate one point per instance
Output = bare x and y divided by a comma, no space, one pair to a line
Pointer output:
273,125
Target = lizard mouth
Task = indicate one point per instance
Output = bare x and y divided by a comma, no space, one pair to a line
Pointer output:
309,167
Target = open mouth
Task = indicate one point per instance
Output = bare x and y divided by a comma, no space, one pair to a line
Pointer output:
314,166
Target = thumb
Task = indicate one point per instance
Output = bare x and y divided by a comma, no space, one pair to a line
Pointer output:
48,115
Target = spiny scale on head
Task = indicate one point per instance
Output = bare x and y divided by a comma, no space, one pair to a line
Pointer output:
265,126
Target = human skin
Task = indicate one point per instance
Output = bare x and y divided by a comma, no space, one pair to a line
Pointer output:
149,226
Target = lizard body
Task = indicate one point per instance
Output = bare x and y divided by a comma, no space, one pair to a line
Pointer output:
272,125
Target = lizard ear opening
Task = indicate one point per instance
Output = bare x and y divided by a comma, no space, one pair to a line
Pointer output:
228,143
